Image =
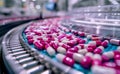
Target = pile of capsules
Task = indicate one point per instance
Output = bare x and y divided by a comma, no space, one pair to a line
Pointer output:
70,46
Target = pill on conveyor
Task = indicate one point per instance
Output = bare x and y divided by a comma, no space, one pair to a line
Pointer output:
77,57
104,70
115,41
75,49
66,60
54,44
84,51
105,43
97,59
50,50
61,50
38,45
96,38
95,43
71,43
99,50
110,55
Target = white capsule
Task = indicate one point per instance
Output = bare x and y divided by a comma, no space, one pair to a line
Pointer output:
82,51
77,57
93,43
61,50
109,54
115,41
50,51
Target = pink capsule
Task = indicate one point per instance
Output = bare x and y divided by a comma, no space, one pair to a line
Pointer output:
38,45
110,55
104,43
95,43
84,51
71,43
115,41
99,50
54,45
66,60
96,38
97,60
50,50
75,49
77,57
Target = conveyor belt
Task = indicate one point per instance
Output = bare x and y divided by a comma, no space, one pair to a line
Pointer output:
19,58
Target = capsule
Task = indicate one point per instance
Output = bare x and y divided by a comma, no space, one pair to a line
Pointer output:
95,43
66,60
77,57
75,48
84,51
110,55
115,41
99,50
105,43
50,50
97,59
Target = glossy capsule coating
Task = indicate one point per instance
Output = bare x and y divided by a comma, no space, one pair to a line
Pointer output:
77,57
50,50
95,43
105,43
66,60
97,59
99,50
115,41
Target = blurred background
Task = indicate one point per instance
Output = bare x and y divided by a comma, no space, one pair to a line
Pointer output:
45,7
